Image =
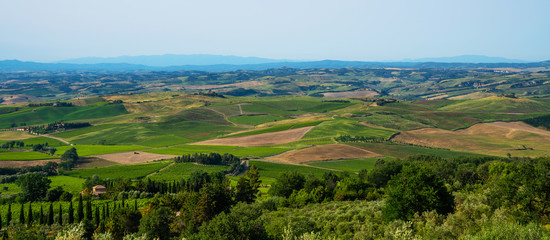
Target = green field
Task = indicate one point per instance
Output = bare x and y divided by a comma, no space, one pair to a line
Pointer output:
178,171
12,189
119,171
339,127
69,184
27,155
81,131
292,105
250,152
276,129
87,150
398,150
255,120
499,104
352,165
39,140
174,130
269,171
49,114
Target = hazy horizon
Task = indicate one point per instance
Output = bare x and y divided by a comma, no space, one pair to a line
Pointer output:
46,31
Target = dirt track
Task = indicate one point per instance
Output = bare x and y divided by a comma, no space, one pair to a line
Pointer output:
273,138
323,152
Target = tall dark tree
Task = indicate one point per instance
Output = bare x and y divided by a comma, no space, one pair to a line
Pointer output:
135,205
1,221
8,215
243,190
41,220
253,175
71,213
80,210
103,213
60,217
29,216
106,212
89,214
22,214
97,219
50,214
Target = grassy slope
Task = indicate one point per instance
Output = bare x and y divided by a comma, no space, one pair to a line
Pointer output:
237,151
183,170
499,104
255,120
354,165
87,150
45,115
269,171
404,150
119,171
338,127
27,155
38,140
277,128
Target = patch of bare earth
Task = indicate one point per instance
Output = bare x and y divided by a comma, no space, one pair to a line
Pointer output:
263,139
350,94
15,135
19,99
497,138
18,164
323,152
92,162
133,157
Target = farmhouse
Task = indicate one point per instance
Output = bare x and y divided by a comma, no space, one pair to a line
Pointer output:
98,190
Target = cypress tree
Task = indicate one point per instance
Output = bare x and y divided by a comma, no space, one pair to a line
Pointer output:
29,217
122,201
106,212
89,214
135,205
1,221
80,210
60,219
97,216
104,216
22,214
50,215
41,220
8,215
71,212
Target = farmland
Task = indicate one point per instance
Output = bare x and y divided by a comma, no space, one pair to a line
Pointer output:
309,138
123,171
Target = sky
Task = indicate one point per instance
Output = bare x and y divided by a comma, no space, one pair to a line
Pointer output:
367,30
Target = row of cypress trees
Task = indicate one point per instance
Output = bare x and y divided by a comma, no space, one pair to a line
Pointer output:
101,212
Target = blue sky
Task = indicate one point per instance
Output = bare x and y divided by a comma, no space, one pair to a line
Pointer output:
371,30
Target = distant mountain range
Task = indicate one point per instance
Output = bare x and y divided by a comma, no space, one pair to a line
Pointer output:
467,59
176,60
217,63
